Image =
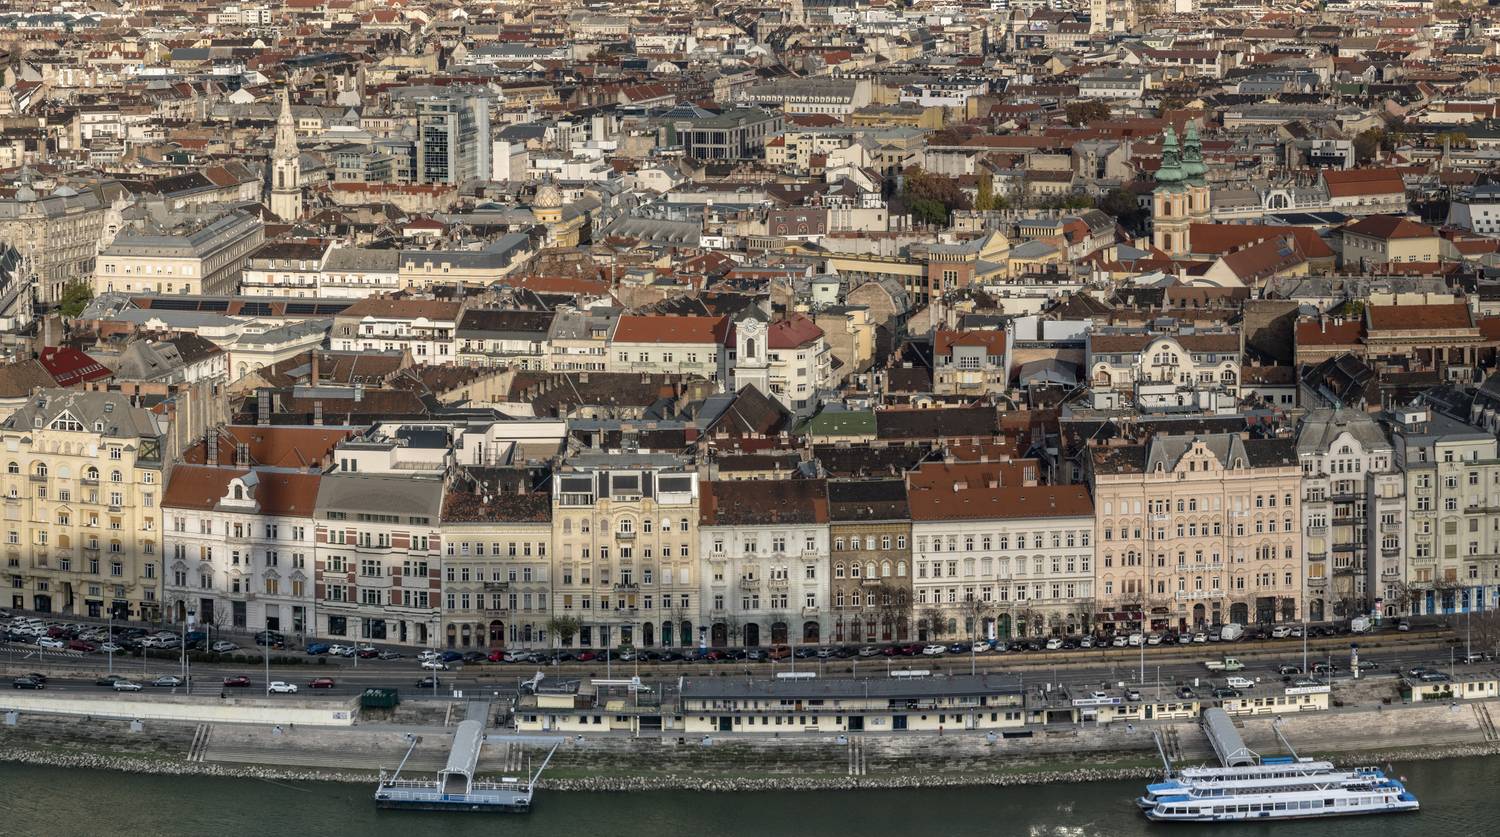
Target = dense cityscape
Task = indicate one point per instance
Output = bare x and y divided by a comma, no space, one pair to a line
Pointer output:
660,332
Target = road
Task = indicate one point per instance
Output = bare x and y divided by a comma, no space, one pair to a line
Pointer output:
1077,670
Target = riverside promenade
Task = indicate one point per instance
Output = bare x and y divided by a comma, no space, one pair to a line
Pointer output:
1071,752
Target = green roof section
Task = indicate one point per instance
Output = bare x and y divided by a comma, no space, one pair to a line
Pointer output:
840,423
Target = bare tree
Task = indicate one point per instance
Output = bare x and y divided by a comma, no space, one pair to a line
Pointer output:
894,606
933,621
974,611
733,629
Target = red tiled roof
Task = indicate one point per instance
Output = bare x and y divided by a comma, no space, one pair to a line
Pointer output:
1355,182
944,341
662,329
1389,227
792,333
70,367
1454,315
1314,333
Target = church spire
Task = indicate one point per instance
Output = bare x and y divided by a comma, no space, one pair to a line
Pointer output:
286,127
1193,168
286,174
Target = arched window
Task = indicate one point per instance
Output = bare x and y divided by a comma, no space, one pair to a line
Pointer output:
114,476
838,570
885,569
901,569
40,469
239,492
750,347
870,570
13,468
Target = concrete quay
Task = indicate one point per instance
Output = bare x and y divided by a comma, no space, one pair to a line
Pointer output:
1368,734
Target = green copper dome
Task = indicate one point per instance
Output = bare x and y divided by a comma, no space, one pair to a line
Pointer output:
1192,156
1170,175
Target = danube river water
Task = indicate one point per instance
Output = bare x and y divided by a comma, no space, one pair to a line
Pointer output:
1457,796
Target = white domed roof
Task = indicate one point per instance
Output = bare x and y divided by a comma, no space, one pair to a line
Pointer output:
547,197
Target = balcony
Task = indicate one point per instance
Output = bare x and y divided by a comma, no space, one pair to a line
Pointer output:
778,583
870,582
1390,553
624,536
1390,527
496,586
1317,531
748,583
626,587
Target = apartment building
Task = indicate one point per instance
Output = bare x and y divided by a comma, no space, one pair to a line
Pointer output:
687,345
84,476
869,533
424,327
497,560
765,554
1200,530
378,558
625,531
1452,512
240,546
1166,370
190,252
788,359
998,555
1353,515
969,362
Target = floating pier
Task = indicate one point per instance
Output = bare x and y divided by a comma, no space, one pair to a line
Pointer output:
455,788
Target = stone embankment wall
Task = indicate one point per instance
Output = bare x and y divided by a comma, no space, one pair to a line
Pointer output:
737,762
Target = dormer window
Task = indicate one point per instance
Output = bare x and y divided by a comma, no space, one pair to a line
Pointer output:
65,421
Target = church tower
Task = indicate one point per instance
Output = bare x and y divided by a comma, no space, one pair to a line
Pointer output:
286,189
752,363
1169,202
1194,173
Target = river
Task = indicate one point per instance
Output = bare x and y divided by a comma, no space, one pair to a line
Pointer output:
1457,798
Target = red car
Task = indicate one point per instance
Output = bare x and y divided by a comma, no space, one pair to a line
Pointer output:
587,657
80,645
239,680
496,656
322,683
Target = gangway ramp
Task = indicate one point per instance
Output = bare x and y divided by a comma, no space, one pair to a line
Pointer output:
1225,739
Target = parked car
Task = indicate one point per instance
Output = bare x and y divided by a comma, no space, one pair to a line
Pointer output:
316,648
1132,694
82,646
281,687
1286,669
367,652
321,683
341,650
1224,692
1403,625
1154,639
237,681
27,683
126,686
1086,642
223,646
427,654
50,642
935,650
430,682
1238,682
110,648
167,681
1186,693
1054,644
451,656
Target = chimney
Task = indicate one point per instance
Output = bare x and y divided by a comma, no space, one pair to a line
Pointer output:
318,413
263,407
211,444
314,378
